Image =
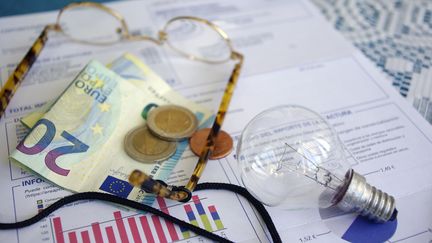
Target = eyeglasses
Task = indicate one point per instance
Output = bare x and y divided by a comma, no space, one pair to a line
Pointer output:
195,38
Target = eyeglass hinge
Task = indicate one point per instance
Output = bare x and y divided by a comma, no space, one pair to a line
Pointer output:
178,189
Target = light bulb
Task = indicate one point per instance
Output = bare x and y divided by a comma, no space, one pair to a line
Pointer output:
291,157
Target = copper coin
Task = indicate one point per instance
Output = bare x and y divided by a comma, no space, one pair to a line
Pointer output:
223,143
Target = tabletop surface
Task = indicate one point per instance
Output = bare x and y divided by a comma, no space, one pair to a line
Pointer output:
395,35
16,7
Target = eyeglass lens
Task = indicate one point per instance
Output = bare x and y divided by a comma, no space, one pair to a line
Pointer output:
197,39
188,36
103,29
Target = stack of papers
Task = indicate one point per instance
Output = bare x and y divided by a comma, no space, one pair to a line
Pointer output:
292,56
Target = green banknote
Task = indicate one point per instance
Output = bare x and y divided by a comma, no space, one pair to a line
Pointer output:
78,142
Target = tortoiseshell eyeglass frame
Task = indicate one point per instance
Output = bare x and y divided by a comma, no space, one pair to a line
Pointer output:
178,193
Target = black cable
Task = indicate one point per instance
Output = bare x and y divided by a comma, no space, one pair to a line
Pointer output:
129,203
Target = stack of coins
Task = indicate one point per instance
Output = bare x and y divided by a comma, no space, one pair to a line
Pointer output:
156,141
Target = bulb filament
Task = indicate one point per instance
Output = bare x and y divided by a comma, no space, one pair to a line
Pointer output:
311,170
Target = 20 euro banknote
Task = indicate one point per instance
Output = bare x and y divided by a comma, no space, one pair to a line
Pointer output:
78,142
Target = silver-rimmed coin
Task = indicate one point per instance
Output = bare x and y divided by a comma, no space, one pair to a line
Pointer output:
144,147
171,122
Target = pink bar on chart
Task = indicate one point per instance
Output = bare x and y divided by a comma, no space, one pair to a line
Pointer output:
85,237
97,232
159,230
110,233
134,229
121,227
147,232
171,228
58,230
72,237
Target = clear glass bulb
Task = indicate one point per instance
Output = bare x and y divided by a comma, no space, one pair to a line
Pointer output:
292,158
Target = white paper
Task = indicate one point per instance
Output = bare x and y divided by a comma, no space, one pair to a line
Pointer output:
292,56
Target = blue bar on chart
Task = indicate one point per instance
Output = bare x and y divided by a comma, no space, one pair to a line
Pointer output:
202,213
216,218
186,234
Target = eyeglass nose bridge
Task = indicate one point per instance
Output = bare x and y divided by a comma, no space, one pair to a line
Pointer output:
162,36
160,40
55,27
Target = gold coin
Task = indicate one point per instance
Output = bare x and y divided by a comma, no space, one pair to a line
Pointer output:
171,122
143,146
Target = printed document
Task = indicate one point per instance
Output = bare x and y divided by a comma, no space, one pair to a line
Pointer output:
292,56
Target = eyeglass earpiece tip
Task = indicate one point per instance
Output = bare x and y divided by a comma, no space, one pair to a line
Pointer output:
185,190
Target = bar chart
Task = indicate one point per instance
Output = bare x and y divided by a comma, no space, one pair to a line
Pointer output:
142,228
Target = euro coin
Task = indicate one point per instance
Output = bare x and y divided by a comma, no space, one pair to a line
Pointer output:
223,143
144,147
171,122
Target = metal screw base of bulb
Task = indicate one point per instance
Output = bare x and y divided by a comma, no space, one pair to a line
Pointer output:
366,200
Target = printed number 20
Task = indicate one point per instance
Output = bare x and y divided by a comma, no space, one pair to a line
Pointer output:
46,139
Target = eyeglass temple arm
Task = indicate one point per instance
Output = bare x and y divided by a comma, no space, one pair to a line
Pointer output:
217,124
15,79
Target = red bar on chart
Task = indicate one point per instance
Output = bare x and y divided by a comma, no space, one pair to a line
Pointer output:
97,232
134,229
171,228
121,227
146,227
85,237
58,230
72,237
159,230
110,233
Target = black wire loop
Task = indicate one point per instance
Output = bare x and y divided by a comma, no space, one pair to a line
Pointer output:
129,203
